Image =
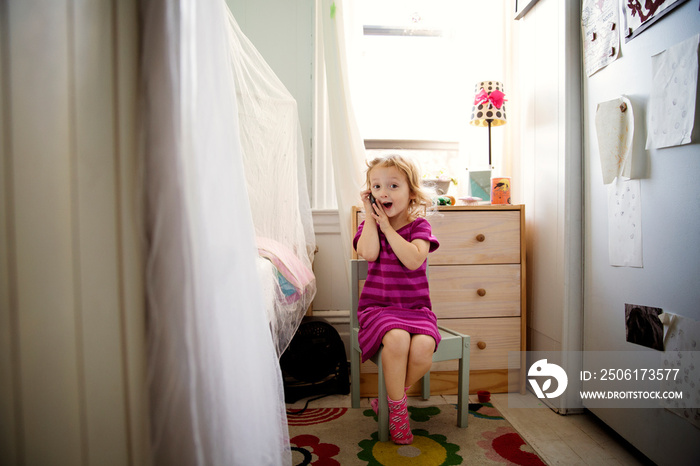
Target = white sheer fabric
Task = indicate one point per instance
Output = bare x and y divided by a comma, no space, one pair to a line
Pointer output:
347,145
215,383
273,156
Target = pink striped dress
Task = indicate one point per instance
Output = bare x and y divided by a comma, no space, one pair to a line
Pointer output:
395,296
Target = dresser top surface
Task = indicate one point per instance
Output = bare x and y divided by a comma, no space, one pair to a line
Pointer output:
448,208
472,208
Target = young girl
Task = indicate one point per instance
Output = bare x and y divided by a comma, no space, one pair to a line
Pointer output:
394,308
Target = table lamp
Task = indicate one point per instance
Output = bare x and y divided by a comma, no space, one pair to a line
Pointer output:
489,107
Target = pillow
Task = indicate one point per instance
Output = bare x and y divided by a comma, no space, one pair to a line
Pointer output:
287,263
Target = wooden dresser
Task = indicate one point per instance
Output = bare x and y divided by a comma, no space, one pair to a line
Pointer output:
477,287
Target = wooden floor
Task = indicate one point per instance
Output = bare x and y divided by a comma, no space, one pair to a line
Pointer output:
576,439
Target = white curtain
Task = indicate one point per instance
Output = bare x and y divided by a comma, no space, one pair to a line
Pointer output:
215,382
346,143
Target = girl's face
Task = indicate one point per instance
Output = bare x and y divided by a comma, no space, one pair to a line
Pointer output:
390,187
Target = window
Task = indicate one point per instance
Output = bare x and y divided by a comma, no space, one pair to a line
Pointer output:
435,159
413,66
413,75
405,80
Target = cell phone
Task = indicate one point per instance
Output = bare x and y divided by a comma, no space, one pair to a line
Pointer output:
372,199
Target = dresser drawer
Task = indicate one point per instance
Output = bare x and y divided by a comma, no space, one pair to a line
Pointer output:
486,237
475,290
498,336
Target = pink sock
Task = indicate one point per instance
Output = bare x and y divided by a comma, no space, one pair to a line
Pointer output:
375,405
375,401
399,427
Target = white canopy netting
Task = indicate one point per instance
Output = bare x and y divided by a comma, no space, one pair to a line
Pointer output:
273,156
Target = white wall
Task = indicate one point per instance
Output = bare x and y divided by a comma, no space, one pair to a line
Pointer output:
72,352
333,291
670,203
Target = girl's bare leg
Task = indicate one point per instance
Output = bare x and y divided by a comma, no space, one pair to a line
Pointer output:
420,358
395,354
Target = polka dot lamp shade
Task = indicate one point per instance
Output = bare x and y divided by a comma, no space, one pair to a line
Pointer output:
489,104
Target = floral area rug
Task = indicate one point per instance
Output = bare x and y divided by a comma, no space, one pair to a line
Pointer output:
345,436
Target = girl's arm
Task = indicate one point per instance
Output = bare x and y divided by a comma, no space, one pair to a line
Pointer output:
412,254
368,243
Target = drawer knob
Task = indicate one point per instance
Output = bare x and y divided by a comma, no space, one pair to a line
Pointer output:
481,292
480,238
481,344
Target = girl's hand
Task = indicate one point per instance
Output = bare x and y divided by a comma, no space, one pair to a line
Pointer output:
380,217
374,210
368,244
364,195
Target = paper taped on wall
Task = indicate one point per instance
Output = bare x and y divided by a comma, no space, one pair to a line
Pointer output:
614,124
673,95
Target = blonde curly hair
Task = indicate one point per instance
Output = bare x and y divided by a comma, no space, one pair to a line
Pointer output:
422,202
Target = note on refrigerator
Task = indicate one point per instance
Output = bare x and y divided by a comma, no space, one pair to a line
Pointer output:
614,124
625,223
673,94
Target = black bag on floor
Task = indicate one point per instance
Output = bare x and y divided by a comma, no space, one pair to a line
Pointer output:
315,362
